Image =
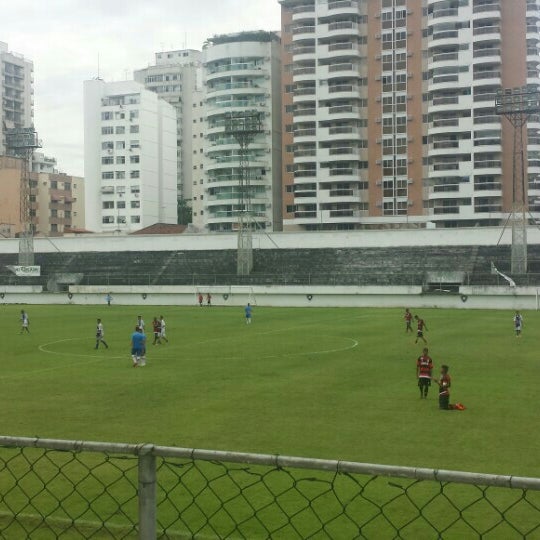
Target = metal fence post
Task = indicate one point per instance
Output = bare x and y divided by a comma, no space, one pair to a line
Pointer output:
147,494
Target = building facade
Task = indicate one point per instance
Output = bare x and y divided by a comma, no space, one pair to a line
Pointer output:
56,201
242,76
16,93
389,111
130,157
176,76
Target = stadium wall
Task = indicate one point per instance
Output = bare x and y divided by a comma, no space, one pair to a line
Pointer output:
469,297
478,236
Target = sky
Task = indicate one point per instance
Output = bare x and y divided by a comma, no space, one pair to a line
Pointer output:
64,39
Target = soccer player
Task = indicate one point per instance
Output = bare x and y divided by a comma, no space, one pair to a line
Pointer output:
108,299
408,321
444,383
200,300
424,366
162,333
420,331
518,323
248,311
209,300
25,322
138,346
100,334
157,331
140,323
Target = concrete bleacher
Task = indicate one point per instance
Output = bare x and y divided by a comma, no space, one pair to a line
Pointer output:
326,266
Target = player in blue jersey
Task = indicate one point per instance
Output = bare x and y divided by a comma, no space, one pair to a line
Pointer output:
138,347
248,310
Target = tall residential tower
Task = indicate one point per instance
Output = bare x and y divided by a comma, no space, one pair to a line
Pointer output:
389,111
176,76
130,160
16,93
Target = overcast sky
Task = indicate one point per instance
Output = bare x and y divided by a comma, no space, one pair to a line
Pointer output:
64,38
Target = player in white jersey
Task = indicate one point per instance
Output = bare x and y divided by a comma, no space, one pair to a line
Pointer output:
163,334
140,323
25,322
100,334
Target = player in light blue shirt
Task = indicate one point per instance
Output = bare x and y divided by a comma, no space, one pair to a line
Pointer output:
248,309
138,347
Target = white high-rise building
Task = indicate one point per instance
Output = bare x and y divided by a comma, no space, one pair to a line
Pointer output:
176,76
130,157
16,92
242,75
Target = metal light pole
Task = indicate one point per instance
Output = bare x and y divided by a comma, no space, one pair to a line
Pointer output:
244,127
21,142
517,105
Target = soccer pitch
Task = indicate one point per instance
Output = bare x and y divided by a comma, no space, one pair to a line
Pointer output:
324,383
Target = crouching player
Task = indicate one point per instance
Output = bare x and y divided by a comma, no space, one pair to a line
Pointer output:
444,383
138,347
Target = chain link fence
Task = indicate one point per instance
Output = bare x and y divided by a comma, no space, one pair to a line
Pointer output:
68,489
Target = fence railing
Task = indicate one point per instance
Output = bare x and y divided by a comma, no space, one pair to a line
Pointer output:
72,489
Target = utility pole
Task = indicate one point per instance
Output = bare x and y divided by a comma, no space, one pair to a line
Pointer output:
517,105
244,127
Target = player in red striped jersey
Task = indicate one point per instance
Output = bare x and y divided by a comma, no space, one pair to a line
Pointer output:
421,327
424,367
408,321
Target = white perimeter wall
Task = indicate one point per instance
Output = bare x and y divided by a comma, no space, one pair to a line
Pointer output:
522,298
479,236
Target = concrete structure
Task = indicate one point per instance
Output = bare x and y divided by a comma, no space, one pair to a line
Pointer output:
242,74
16,92
43,164
176,76
56,201
130,157
389,111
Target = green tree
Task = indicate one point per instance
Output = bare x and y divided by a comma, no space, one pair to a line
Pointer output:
185,213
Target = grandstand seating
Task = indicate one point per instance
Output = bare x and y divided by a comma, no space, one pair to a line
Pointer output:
325,266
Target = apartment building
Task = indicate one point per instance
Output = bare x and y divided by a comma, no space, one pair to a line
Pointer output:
16,92
389,115
56,201
241,76
130,152
176,76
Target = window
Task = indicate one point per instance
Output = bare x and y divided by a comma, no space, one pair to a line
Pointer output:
107,219
120,130
120,175
135,204
54,227
134,144
134,174
135,189
109,160
134,129
54,212
107,145
133,115
120,145
107,115
107,175
107,204
121,204
107,130
121,219
135,219
134,159
120,160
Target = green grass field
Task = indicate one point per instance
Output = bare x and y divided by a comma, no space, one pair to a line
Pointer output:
325,383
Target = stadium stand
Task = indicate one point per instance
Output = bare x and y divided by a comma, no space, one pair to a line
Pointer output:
325,266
